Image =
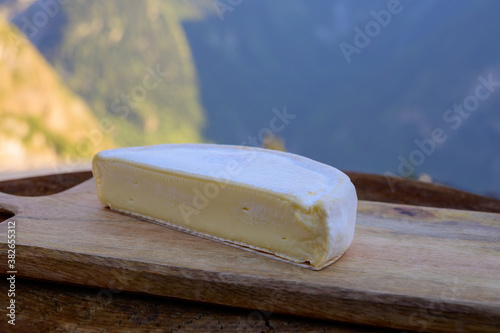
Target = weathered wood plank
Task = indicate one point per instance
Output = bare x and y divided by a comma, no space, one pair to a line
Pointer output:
408,267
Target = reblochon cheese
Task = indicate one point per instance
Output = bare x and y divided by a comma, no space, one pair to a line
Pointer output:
270,202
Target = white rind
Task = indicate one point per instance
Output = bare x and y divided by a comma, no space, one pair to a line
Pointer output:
303,182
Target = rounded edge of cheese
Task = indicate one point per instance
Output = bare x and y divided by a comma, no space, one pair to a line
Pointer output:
310,187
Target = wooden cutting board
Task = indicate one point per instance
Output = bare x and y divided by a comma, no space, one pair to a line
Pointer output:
409,267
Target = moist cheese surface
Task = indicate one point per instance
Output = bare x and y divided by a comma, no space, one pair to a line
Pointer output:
275,203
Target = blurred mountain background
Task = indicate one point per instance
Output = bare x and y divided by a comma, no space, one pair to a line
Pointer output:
79,76
42,122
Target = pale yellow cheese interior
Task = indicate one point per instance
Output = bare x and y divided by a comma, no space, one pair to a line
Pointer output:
281,204
257,219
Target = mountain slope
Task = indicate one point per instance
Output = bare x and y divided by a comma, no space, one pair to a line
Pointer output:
42,123
131,62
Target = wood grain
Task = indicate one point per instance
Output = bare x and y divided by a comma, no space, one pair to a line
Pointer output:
48,307
409,267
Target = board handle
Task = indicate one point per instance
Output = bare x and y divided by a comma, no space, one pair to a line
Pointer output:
8,206
87,186
14,204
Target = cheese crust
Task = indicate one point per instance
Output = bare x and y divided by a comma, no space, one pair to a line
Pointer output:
274,203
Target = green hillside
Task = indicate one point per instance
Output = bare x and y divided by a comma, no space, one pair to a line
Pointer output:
42,122
131,62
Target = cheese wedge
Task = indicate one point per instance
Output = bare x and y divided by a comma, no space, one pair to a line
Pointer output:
275,203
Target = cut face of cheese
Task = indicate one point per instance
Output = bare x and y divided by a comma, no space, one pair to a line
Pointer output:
275,203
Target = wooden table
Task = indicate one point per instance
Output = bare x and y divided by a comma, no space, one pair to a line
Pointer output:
44,306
